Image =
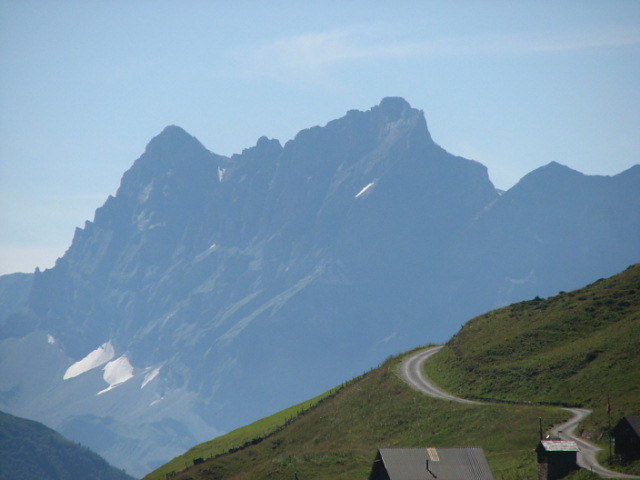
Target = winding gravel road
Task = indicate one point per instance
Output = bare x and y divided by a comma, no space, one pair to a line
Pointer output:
411,371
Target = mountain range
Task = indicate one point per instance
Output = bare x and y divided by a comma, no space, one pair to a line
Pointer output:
212,290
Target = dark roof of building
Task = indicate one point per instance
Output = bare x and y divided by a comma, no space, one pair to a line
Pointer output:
634,421
559,446
450,463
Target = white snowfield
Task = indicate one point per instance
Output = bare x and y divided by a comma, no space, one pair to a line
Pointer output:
117,372
95,359
365,189
150,376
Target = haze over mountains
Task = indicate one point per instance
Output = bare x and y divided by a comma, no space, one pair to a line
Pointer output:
211,291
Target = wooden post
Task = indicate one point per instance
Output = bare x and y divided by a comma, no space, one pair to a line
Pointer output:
540,420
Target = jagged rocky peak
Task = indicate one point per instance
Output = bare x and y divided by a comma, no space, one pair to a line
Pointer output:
360,132
169,139
265,146
390,110
395,108
396,112
170,156
264,142
172,147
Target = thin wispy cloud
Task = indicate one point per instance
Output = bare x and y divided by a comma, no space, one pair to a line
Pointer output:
310,57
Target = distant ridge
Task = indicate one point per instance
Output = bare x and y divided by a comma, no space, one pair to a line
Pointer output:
31,451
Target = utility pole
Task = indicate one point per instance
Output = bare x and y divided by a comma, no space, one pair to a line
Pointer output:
540,421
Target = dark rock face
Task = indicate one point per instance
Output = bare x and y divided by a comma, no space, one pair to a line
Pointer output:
227,288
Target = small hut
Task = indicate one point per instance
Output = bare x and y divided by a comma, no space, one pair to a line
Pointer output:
419,463
556,458
626,435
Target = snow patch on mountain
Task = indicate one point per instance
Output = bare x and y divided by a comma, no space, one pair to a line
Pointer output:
150,376
365,189
117,372
98,357
206,253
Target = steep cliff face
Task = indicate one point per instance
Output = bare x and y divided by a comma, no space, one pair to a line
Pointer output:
102,282
210,291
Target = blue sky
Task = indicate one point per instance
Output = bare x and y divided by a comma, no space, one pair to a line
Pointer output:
84,86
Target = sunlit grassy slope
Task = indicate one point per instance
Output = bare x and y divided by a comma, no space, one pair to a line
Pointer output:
575,348
338,438
238,438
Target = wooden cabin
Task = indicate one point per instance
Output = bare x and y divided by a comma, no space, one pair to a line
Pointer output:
556,458
626,435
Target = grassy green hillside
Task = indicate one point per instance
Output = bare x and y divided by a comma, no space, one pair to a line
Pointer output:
338,437
576,348
239,438
571,349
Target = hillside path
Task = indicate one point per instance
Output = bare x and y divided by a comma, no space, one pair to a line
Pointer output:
411,371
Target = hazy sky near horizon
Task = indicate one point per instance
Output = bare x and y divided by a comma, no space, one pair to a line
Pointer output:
84,86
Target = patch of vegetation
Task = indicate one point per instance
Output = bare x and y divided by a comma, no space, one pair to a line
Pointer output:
579,349
339,437
240,438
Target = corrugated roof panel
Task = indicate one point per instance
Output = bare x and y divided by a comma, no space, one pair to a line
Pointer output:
560,446
454,463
